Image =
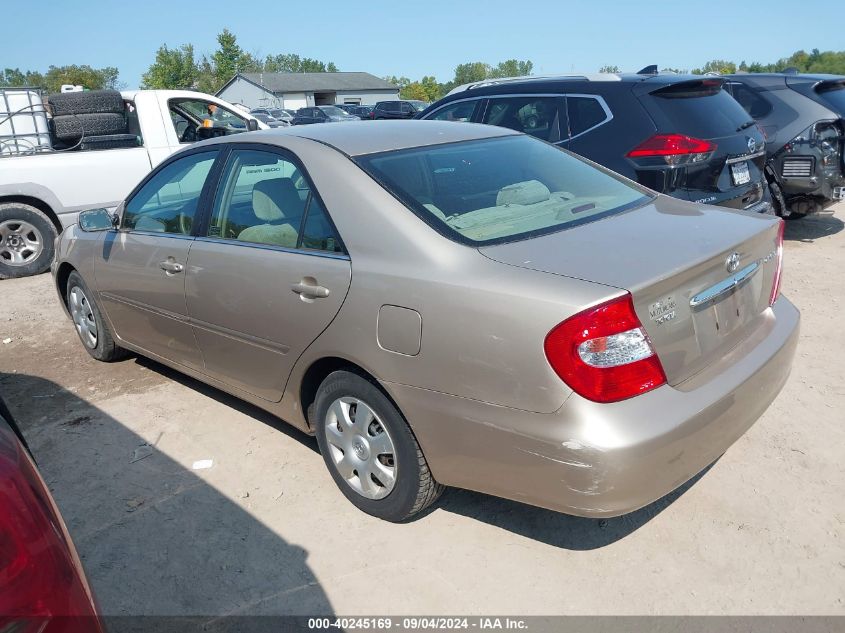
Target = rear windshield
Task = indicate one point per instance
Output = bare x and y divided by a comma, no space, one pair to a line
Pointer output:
502,189
697,109
835,97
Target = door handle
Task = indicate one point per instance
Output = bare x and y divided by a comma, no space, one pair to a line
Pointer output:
171,267
309,289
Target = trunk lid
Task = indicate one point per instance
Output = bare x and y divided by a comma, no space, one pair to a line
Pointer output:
672,256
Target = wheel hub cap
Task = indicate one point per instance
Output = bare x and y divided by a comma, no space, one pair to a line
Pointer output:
360,448
20,243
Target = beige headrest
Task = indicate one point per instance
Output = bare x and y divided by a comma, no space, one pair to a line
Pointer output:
526,192
275,199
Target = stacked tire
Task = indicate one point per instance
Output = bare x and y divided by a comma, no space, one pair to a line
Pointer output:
97,118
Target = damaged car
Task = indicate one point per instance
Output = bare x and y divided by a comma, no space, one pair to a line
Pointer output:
803,118
446,304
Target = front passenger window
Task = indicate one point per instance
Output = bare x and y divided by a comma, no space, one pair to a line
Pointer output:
168,202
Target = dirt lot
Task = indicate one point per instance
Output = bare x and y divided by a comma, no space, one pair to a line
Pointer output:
265,531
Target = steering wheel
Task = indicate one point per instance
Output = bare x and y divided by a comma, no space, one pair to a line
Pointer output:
189,135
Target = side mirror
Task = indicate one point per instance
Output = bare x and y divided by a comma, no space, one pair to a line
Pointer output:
251,125
98,220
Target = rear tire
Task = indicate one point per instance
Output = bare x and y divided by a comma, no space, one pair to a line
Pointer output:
27,238
778,201
370,437
93,331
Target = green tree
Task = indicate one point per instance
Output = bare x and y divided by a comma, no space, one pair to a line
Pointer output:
172,69
16,77
720,66
399,82
471,72
229,59
609,69
511,68
90,78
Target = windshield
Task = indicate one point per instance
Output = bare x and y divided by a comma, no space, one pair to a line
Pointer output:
262,117
502,189
332,110
419,105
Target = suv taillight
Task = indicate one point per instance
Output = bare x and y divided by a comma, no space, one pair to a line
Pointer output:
779,256
42,586
673,149
604,354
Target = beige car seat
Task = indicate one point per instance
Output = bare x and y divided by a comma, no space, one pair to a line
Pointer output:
275,201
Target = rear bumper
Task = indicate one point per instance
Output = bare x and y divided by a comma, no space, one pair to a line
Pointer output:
603,460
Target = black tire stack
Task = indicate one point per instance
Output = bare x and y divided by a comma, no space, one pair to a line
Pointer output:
92,120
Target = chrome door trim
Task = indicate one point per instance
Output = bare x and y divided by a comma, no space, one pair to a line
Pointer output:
271,247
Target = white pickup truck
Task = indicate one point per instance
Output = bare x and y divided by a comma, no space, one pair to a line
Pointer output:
42,192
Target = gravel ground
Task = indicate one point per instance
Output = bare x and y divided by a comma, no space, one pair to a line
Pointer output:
265,531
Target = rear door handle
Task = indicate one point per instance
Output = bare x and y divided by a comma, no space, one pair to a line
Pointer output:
171,267
309,289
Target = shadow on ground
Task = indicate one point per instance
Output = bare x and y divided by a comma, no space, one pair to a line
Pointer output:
155,538
225,533
553,528
813,227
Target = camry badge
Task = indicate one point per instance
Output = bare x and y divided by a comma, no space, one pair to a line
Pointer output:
732,262
662,311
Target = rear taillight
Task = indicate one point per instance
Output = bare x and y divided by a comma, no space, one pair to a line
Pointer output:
604,354
42,586
779,257
673,149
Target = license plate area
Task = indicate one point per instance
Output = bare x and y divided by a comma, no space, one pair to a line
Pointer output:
740,174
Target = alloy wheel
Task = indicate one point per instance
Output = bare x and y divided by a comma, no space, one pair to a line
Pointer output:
20,243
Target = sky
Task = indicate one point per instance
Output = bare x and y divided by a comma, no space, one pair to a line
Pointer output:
416,38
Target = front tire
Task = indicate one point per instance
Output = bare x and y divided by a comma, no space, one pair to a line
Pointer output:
93,331
369,449
27,238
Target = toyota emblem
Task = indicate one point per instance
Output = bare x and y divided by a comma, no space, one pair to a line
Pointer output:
732,262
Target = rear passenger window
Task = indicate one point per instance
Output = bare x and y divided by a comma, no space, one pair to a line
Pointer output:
263,198
584,113
460,111
537,116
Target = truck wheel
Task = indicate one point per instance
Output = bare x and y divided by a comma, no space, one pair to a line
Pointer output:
778,201
93,330
369,449
26,240
86,102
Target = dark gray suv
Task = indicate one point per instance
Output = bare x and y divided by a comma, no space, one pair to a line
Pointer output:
803,117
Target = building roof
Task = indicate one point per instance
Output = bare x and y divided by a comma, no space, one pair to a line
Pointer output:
314,82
